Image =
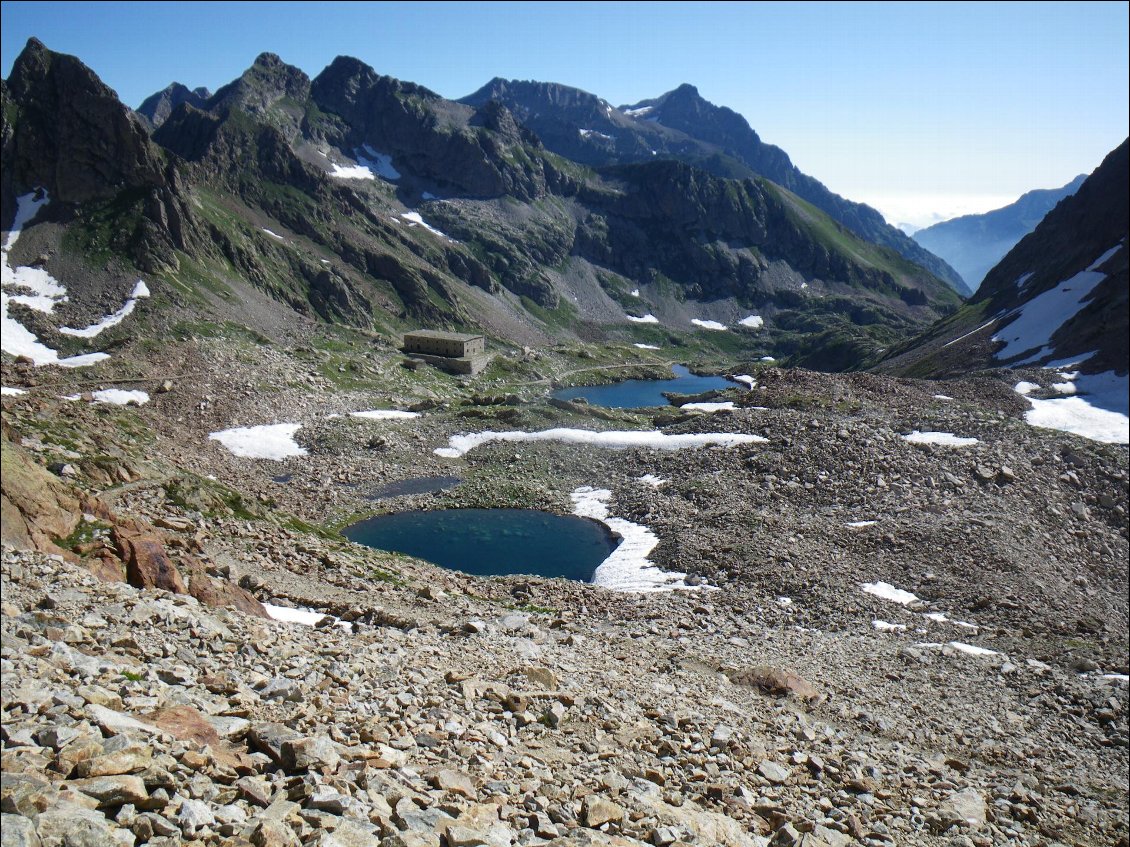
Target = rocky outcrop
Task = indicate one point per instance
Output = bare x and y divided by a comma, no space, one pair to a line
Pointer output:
147,563
221,593
38,509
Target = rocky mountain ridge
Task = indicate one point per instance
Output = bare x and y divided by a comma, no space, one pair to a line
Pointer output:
682,125
468,203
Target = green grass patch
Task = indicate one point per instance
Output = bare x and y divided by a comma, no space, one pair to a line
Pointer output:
87,532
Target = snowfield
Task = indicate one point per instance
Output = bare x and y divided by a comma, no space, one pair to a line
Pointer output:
460,445
416,219
712,325
268,441
947,439
1098,407
886,591
120,397
726,406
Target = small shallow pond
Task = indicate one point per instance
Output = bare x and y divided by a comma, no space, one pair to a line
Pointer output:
416,485
492,542
638,393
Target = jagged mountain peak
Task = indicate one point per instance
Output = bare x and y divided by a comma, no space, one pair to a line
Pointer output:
269,60
73,136
351,75
157,107
268,80
683,92
685,109
36,63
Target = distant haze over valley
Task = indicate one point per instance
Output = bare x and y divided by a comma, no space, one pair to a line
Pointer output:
911,212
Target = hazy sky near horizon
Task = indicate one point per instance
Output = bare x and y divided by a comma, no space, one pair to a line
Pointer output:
923,110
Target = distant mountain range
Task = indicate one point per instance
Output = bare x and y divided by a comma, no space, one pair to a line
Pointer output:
681,124
357,198
973,244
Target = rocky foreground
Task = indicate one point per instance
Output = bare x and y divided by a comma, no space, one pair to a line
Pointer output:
425,707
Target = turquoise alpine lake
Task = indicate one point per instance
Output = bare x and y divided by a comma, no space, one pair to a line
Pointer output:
640,393
492,542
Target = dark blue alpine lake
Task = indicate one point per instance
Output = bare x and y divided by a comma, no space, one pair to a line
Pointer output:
492,542
640,393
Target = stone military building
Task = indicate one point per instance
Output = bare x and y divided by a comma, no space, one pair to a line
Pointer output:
453,351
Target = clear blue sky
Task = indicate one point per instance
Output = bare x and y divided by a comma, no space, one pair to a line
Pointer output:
918,108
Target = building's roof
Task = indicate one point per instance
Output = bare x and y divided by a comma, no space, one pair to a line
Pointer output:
435,333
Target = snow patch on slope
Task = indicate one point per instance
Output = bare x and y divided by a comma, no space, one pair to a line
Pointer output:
1042,316
627,568
44,292
714,325
140,292
269,441
460,445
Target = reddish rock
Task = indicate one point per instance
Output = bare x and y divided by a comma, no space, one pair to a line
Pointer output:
107,567
779,681
220,593
147,563
187,724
